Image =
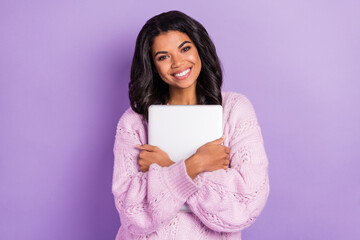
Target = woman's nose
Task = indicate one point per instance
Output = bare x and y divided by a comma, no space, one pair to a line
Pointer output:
177,60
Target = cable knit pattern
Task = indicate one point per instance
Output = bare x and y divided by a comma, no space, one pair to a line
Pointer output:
223,202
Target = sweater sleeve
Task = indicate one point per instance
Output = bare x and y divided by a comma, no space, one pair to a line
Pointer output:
230,200
145,201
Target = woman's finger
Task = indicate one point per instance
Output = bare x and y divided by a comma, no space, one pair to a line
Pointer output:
218,141
146,147
227,149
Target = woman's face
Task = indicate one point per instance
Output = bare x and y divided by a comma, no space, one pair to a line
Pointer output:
176,59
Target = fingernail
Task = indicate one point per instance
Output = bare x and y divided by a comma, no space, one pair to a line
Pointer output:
138,145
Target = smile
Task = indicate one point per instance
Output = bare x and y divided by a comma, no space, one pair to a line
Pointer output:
183,74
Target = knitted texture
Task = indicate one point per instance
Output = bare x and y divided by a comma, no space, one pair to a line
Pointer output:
223,202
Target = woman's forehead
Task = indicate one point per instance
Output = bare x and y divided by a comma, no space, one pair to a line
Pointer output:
169,39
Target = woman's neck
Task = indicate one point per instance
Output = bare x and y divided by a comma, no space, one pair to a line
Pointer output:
182,97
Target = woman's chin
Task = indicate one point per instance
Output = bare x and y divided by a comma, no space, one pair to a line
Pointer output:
183,85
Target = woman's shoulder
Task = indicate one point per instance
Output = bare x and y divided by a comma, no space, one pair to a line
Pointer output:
237,105
131,120
231,99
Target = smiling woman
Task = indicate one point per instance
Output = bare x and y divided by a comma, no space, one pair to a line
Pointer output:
179,65
225,183
167,45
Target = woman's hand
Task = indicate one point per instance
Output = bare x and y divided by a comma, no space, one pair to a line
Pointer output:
209,157
152,154
213,155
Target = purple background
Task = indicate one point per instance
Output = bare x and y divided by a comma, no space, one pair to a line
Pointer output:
64,75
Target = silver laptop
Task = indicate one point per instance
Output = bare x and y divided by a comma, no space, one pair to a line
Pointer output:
180,130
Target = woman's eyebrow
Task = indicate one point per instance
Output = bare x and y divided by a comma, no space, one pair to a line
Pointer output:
182,44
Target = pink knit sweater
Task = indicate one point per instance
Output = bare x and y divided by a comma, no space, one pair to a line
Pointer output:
223,202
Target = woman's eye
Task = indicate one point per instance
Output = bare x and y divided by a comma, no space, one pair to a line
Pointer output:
161,58
186,49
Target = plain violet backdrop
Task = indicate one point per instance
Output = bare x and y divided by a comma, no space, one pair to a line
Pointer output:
65,68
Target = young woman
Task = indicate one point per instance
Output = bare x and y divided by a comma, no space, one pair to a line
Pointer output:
225,183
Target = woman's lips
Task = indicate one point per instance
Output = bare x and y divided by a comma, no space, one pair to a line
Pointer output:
184,76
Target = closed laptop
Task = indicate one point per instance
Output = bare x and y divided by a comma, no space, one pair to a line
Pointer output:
180,130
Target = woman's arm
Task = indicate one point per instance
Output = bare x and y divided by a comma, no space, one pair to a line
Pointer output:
145,201
230,200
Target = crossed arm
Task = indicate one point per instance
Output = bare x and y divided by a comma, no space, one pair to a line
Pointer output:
225,199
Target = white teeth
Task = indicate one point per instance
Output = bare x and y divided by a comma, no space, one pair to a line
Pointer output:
183,73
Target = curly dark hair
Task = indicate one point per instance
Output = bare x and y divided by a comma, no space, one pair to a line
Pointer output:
146,87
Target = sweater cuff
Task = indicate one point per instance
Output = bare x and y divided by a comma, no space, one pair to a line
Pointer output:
178,181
